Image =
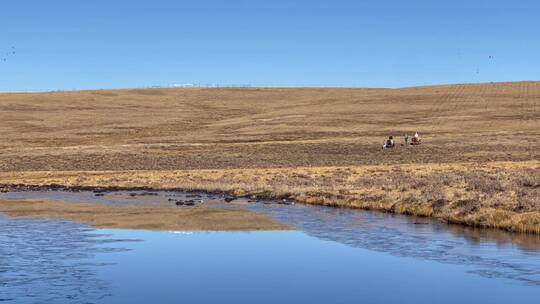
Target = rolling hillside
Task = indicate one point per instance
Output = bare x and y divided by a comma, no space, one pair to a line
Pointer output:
193,128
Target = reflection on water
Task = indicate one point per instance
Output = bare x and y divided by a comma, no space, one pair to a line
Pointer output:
60,262
496,254
51,262
331,218
289,267
477,236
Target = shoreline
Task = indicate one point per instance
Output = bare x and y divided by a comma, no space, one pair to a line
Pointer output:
492,195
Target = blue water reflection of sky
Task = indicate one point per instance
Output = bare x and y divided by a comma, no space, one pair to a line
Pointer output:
286,267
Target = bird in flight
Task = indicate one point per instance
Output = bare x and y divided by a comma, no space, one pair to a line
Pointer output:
7,54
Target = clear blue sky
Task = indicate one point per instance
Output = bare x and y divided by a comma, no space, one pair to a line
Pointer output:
76,44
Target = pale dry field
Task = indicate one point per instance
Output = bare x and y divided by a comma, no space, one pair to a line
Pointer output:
258,128
478,164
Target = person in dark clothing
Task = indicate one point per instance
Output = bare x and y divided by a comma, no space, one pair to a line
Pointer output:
389,143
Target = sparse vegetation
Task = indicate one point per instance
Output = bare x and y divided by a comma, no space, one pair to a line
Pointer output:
172,129
478,164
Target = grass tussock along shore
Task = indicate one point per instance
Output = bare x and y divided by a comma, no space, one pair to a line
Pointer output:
147,218
504,195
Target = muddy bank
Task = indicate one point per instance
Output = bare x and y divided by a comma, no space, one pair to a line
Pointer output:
147,218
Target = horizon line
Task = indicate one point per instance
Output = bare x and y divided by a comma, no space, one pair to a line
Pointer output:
248,86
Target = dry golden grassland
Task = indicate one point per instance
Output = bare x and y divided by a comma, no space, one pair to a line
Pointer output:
173,129
478,163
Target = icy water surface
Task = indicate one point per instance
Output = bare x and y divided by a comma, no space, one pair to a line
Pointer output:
53,261
335,256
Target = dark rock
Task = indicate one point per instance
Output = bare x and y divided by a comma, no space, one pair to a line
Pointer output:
286,202
99,194
148,194
229,199
185,203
